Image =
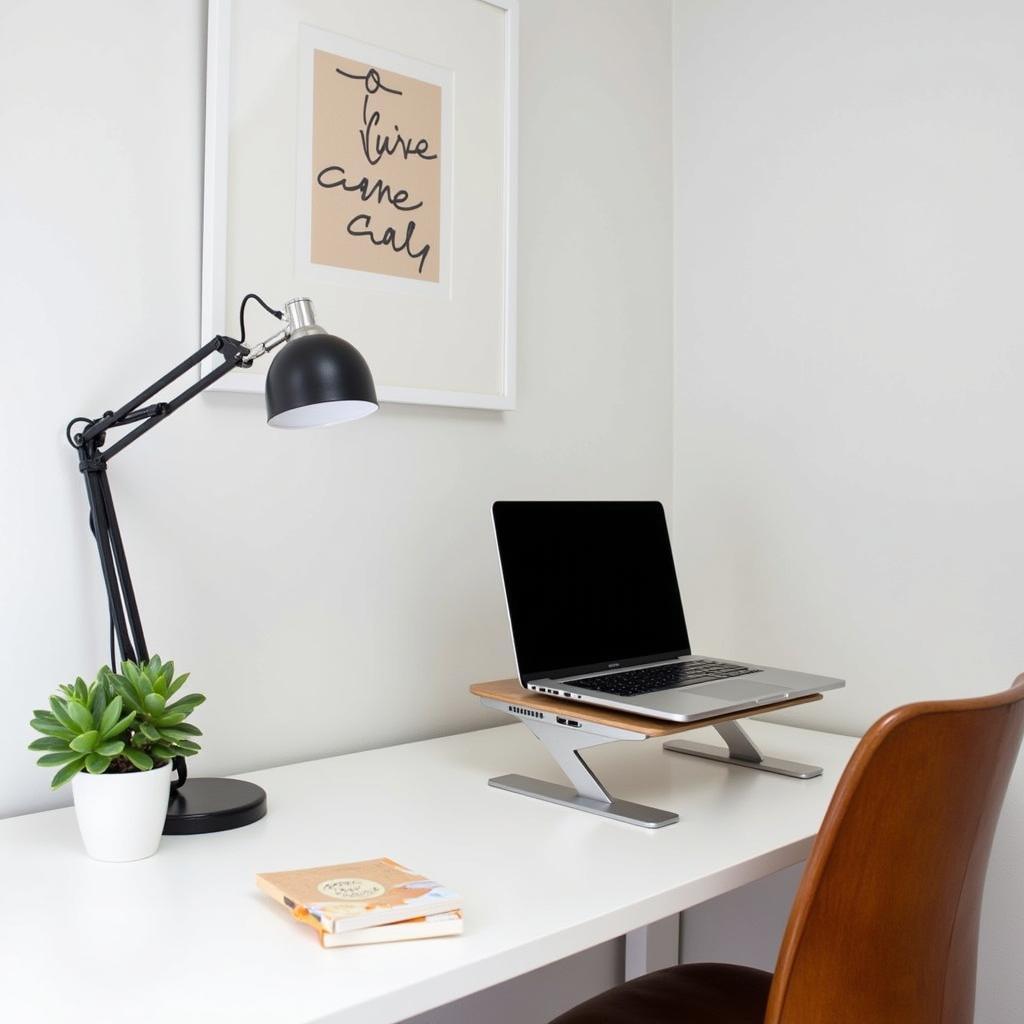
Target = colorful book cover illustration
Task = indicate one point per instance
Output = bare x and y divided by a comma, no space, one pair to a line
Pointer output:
347,897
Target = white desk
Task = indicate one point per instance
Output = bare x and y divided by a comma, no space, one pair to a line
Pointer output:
539,881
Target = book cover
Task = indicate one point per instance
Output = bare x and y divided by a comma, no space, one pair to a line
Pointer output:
431,927
347,897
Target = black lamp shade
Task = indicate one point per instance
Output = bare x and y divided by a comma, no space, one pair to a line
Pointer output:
317,380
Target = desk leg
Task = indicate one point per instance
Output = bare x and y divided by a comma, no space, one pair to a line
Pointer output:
651,948
636,953
563,743
742,751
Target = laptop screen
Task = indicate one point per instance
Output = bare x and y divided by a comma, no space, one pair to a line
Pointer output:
589,585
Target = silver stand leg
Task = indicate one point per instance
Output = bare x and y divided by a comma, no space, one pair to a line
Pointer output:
742,751
564,743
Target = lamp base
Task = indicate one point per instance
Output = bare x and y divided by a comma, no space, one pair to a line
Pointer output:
213,805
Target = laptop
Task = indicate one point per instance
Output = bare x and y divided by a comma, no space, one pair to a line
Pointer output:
594,607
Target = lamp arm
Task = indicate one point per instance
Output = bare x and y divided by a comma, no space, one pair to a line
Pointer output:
126,624
92,463
93,435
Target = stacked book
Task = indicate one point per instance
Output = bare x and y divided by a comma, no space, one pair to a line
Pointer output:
368,901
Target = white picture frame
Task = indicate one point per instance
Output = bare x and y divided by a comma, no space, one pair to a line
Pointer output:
217,314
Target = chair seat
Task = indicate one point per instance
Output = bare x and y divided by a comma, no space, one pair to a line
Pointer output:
688,994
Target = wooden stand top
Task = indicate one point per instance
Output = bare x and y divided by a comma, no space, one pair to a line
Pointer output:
509,691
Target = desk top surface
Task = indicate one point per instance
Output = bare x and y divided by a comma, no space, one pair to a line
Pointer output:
539,881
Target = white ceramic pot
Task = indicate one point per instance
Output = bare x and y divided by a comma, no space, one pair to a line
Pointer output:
121,817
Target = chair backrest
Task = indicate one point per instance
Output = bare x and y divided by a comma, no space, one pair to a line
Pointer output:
884,929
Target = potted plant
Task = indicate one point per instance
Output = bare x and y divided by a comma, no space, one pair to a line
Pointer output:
114,740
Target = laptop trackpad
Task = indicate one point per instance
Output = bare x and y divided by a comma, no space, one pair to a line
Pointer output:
739,690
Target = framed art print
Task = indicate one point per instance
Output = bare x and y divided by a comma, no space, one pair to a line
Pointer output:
364,155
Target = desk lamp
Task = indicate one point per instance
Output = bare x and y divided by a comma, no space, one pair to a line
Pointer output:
316,380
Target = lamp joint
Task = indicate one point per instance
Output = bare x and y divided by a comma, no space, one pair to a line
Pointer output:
248,355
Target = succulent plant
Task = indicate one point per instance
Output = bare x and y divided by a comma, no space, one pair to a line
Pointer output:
82,729
118,723
159,728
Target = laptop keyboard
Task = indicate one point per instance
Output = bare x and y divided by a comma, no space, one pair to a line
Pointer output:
663,677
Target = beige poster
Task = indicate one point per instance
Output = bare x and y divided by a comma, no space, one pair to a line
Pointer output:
377,170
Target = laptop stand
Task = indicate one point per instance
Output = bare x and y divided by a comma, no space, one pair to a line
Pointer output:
564,743
567,727
742,751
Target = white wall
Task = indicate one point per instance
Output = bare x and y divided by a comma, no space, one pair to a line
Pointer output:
333,590
337,590
849,490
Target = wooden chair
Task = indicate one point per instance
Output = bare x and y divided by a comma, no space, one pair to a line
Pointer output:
884,928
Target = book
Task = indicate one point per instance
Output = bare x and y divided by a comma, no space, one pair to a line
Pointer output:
430,927
348,897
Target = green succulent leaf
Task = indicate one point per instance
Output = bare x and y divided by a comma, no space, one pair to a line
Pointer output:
187,704
48,728
162,751
67,773
177,684
98,701
60,712
48,743
96,764
187,728
45,715
58,758
150,732
177,733
110,715
111,748
127,693
159,675
81,691
131,693
139,758
186,747
137,678
154,703
80,715
119,726
171,720
86,742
